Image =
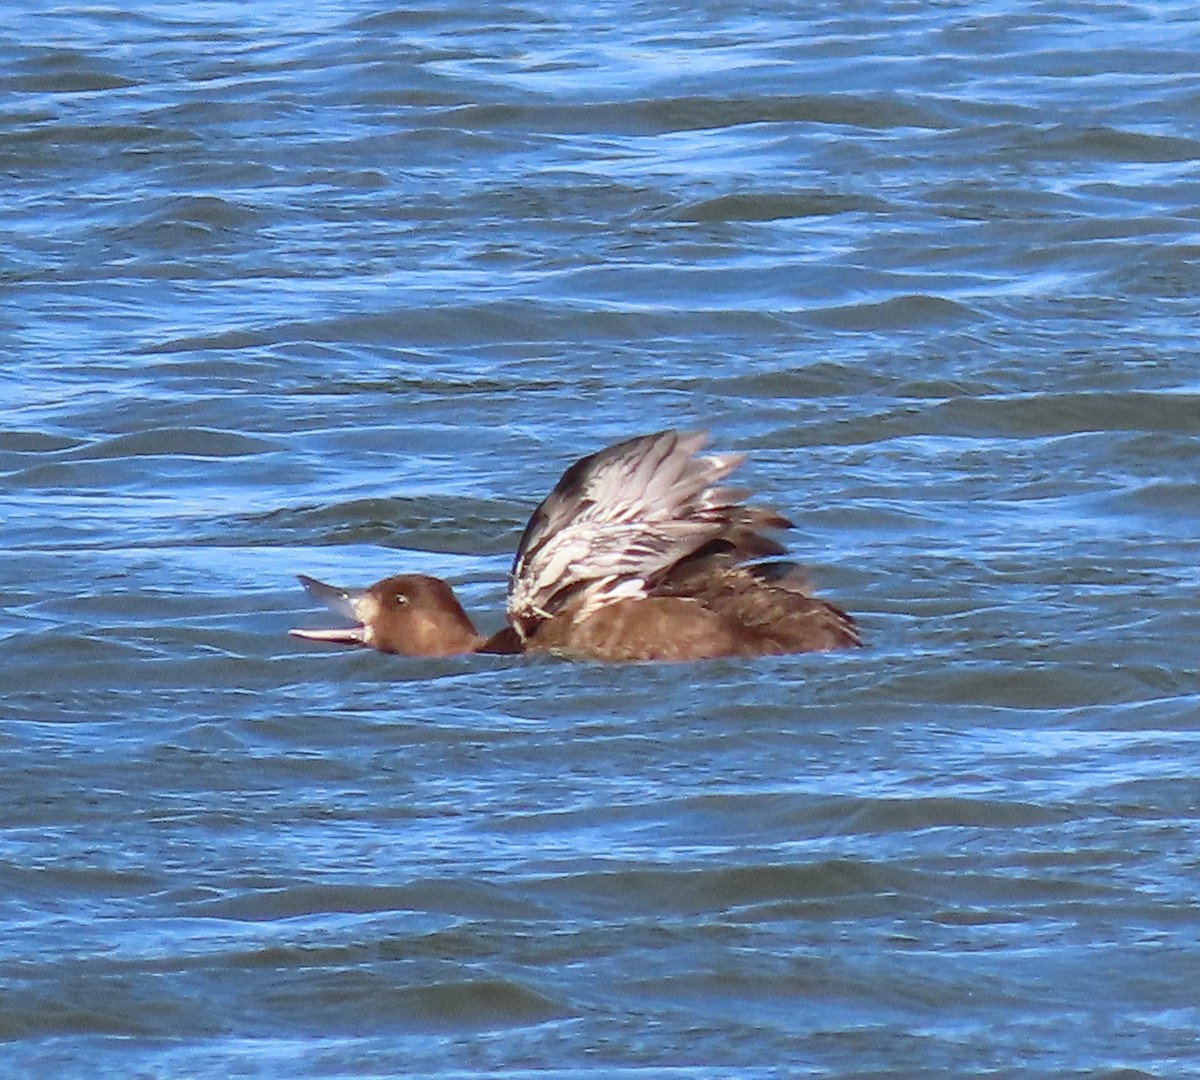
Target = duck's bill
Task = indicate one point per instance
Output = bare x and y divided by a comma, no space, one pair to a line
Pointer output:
350,635
344,602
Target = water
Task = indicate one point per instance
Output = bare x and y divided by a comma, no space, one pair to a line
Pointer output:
342,290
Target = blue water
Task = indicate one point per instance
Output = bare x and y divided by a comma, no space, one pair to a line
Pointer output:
341,290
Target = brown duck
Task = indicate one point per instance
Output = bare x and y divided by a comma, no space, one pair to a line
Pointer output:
635,555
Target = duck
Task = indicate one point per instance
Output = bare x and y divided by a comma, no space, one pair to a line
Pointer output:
637,554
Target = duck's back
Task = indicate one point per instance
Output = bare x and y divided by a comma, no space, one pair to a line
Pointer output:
766,606
615,517
637,555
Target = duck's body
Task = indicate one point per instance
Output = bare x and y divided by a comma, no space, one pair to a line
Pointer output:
634,555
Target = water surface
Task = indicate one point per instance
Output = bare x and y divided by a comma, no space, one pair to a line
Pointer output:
341,291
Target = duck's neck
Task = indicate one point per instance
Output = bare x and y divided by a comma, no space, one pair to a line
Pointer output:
447,632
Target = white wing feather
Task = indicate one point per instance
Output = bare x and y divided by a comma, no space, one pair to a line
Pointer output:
620,516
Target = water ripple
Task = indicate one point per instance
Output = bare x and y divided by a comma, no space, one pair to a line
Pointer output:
343,290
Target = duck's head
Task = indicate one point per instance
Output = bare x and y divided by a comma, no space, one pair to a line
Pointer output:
411,614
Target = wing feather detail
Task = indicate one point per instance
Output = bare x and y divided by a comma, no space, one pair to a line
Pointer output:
625,514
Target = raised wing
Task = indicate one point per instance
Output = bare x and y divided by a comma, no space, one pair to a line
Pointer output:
625,514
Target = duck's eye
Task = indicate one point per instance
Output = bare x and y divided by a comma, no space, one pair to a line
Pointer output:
401,599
